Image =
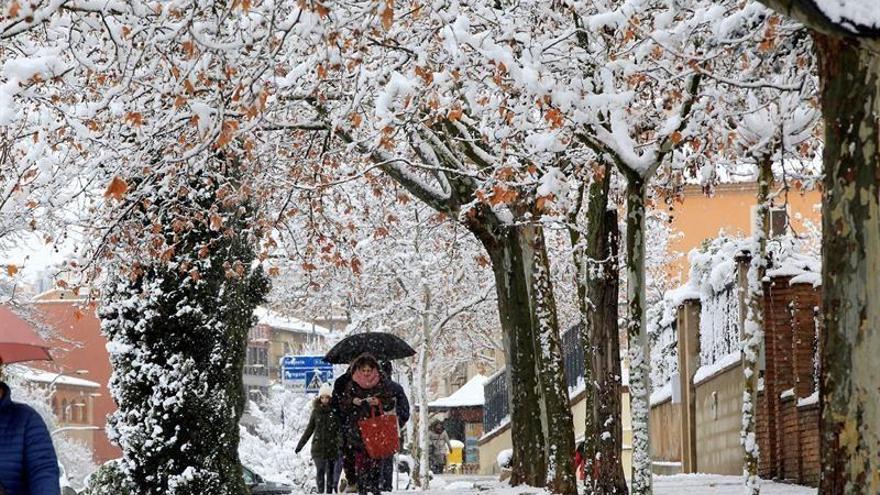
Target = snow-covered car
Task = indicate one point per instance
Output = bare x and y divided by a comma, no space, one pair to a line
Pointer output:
259,486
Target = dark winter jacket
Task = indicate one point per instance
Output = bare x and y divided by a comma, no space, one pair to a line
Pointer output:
401,403
350,414
325,428
28,465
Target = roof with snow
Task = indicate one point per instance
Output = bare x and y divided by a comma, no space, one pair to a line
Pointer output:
47,377
469,395
279,321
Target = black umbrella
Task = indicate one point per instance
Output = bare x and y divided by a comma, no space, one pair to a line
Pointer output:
383,346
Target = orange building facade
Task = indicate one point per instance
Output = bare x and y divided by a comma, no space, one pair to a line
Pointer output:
729,209
79,349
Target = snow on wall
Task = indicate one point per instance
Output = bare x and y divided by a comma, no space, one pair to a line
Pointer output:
713,279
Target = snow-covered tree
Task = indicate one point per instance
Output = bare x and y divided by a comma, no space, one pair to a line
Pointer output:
177,328
269,439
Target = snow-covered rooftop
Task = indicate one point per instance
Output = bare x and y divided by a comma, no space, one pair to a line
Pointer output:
277,320
470,395
47,377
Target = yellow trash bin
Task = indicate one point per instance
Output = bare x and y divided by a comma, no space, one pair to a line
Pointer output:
455,457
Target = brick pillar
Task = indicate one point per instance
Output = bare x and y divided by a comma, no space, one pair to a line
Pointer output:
809,436
778,377
805,299
688,326
790,440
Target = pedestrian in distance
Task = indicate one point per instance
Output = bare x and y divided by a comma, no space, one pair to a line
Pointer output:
323,429
368,393
401,407
28,464
438,446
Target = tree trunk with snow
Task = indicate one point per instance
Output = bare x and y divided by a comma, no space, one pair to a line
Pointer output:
512,288
849,71
609,477
637,332
424,479
753,331
597,297
849,74
551,372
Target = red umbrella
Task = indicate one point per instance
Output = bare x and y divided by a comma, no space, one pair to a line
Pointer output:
19,341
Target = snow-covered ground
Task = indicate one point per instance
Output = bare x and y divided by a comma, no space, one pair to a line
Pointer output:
700,484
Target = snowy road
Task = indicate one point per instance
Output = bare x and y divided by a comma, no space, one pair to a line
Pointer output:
663,485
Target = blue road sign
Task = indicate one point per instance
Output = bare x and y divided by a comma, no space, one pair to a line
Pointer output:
305,373
305,362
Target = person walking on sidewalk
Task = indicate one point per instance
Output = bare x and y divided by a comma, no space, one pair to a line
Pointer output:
323,428
28,464
367,391
438,446
401,405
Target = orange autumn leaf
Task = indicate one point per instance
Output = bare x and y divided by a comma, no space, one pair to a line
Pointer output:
11,270
455,113
356,119
135,119
14,9
227,132
675,137
388,14
216,222
116,189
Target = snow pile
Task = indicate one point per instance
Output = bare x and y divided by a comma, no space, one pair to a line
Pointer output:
504,458
270,434
34,375
470,395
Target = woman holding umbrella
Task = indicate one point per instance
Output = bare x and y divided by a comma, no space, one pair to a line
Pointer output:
366,394
363,348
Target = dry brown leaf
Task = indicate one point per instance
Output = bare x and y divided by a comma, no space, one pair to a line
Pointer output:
116,189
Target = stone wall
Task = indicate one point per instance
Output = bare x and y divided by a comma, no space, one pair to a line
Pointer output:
719,421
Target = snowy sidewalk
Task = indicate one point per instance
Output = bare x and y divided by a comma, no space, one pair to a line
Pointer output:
697,484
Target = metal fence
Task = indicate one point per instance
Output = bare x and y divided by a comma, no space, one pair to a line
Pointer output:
573,357
496,408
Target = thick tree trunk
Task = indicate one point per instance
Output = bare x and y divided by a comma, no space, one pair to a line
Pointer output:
551,372
609,476
543,441
597,297
512,288
753,331
639,357
849,72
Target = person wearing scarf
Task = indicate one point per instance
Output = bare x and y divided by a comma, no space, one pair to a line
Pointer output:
366,390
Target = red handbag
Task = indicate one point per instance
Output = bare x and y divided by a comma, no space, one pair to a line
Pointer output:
380,434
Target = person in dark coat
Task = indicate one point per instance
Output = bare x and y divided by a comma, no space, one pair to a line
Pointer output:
323,428
401,405
28,464
345,461
366,390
